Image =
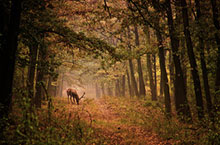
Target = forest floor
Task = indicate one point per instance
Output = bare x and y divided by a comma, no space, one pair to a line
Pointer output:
115,120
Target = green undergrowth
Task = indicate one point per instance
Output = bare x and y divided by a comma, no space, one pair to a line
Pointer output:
51,126
150,115
59,123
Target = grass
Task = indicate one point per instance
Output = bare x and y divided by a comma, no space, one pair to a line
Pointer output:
108,120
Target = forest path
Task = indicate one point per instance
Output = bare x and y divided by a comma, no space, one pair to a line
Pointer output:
117,121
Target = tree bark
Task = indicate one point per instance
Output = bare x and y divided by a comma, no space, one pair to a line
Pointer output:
161,84
164,73
97,90
142,90
171,69
149,68
155,76
215,14
103,89
181,102
117,88
133,81
110,91
123,86
31,73
192,60
131,93
38,97
152,86
7,59
202,60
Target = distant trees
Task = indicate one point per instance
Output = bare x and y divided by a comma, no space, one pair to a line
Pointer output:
177,12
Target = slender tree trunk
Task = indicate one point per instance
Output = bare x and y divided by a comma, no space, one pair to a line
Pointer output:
97,90
110,91
31,74
152,86
161,84
61,85
181,102
171,69
149,68
50,87
142,90
202,60
155,76
117,88
7,59
215,12
164,73
123,86
103,89
38,96
129,84
192,60
133,81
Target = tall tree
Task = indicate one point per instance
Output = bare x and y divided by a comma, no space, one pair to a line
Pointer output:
163,71
133,80
32,71
215,13
181,101
155,74
7,57
142,90
97,90
192,60
131,93
117,88
103,89
149,67
123,86
200,35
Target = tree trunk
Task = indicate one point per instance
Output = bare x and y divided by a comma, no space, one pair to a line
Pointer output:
97,90
181,102
161,84
164,73
61,85
171,69
155,76
31,73
50,87
117,88
152,86
129,84
215,13
202,60
192,60
110,91
123,86
38,96
149,68
7,59
142,90
103,89
133,81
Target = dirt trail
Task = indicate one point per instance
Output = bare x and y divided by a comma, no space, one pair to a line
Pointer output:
118,122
